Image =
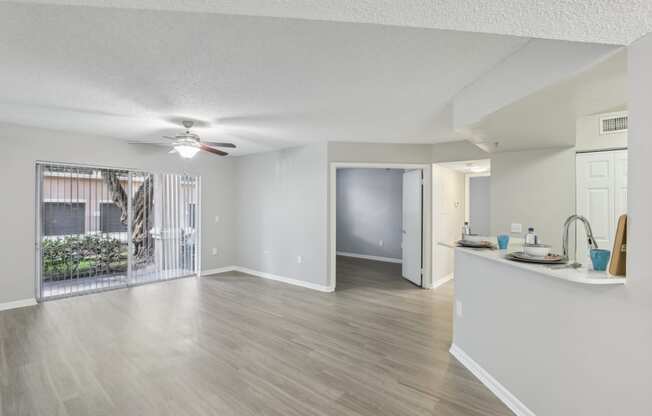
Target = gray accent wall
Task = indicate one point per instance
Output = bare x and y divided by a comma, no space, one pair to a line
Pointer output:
283,214
480,204
370,211
18,176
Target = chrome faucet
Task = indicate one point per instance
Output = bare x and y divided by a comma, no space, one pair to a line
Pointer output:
587,229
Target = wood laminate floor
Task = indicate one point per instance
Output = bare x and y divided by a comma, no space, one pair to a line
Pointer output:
239,345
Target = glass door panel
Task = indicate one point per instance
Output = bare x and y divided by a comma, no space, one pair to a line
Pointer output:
83,246
100,229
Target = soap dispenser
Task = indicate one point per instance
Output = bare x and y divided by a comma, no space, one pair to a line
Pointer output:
531,238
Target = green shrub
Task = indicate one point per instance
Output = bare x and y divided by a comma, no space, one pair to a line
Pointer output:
82,255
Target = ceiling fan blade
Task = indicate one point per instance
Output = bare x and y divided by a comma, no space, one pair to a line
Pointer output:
218,144
169,137
202,146
173,150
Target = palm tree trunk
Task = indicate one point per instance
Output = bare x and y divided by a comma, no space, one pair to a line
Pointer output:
142,208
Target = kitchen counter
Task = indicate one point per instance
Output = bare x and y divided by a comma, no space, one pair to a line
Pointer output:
581,275
513,318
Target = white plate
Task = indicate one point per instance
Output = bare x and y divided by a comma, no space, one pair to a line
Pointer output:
475,244
520,256
538,250
475,238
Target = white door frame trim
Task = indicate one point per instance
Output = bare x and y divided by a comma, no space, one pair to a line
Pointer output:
426,245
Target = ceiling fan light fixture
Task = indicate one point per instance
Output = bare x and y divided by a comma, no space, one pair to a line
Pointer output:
186,151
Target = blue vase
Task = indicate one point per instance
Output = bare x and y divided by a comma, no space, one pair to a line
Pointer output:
600,259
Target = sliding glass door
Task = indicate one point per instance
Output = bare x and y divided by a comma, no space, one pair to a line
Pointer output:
164,226
101,229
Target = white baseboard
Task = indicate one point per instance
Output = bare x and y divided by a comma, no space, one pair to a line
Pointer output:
441,281
269,276
284,279
17,304
491,383
217,271
368,257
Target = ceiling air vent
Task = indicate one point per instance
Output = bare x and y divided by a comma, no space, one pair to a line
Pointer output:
613,123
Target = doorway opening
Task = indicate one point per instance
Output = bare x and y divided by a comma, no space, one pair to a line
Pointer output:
102,228
379,224
461,194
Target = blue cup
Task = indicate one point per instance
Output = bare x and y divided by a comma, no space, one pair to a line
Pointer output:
600,259
503,241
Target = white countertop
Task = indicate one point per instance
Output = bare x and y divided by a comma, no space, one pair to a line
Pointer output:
581,275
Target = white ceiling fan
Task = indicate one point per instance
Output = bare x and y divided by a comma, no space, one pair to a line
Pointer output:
187,144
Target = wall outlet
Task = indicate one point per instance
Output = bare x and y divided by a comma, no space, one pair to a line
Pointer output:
458,308
381,243
217,219
299,259
215,251
517,228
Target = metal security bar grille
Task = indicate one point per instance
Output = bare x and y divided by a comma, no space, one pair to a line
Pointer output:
101,229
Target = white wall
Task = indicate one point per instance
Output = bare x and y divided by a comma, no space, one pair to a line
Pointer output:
456,151
449,210
588,137
370,212
639,202
379,152
282,213
17,179
586,349
634,306
280,207
534,188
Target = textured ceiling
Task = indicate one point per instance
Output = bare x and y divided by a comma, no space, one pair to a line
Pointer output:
547,117
262,83
601,21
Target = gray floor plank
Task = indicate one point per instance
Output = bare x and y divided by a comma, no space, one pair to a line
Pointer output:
233,344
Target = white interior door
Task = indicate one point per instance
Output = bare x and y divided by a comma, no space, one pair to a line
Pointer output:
412,228
601,196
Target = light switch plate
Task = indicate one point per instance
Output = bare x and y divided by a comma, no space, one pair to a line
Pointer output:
299,259
217,218
215,251
458,308
517,228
